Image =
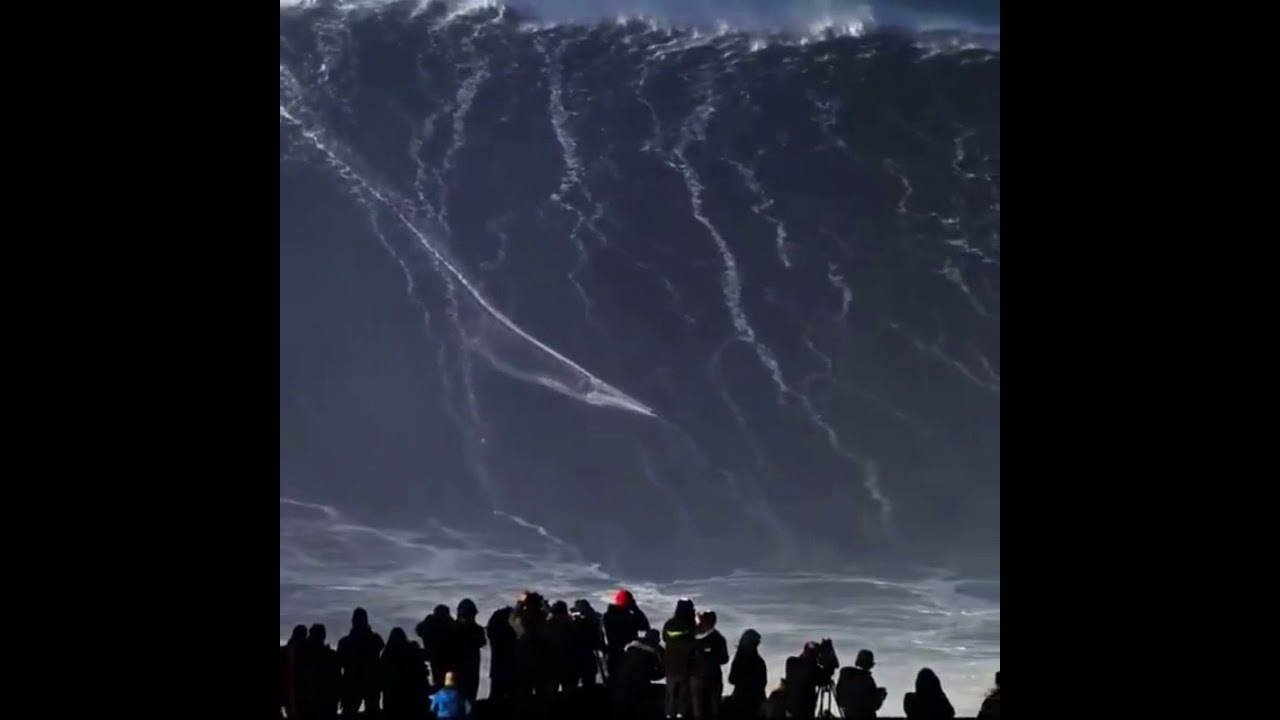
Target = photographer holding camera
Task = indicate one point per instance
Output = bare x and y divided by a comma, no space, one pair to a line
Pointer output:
807,674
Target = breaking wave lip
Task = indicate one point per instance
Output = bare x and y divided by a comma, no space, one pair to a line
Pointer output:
808,19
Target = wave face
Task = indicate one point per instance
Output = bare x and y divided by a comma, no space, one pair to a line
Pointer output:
644,302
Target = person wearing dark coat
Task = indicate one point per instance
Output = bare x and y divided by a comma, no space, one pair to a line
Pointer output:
359,654
856,691
641,665
588,643
928,702
623,622
710,655
529,615
775,708
560,658
290,671
749,678
437,634
321,676
502,643
533,680
991,703
678,635
468,641
404,677
801,672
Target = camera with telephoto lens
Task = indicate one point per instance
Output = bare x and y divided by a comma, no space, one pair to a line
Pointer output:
827,662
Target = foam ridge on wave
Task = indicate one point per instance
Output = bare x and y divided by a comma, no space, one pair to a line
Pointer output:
804,19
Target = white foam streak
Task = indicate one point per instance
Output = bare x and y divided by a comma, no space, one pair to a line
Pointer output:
713,373
466,95
954,276
571,178
960,155
730,282
686,520
935,350
827,110
761,209
846,295
823,357
894,170
695,128
963,245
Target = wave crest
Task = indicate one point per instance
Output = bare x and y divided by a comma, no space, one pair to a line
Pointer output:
811,18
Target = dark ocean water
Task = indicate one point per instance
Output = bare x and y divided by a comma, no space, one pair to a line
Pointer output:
590,299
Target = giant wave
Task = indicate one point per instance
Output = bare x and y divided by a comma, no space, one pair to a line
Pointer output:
643,301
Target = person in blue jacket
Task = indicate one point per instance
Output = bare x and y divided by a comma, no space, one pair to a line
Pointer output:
448,702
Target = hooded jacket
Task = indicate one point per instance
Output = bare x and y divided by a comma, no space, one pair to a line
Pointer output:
678,637
358,653
928,702
748,675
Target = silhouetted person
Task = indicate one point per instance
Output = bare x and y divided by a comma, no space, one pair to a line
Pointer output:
678,635
749,678
640,665
928,702
812,670
290,671
588,643
775,708
710,655
801,672
468,641
623,623
529,615
560,647
856,692
533,678
358,655
321,676
502,645
437,634
991,703
404,677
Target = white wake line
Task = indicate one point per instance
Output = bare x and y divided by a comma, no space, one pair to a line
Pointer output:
603,392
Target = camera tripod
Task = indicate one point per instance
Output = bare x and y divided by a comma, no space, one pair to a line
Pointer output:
827,703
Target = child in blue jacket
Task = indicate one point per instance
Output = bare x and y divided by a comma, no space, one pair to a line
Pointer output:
448,703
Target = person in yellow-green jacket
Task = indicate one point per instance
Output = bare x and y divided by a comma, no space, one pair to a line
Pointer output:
678,636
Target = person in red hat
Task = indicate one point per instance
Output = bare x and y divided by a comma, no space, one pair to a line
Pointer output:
624,621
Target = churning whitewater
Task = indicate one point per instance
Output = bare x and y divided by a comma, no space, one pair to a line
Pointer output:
580,300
